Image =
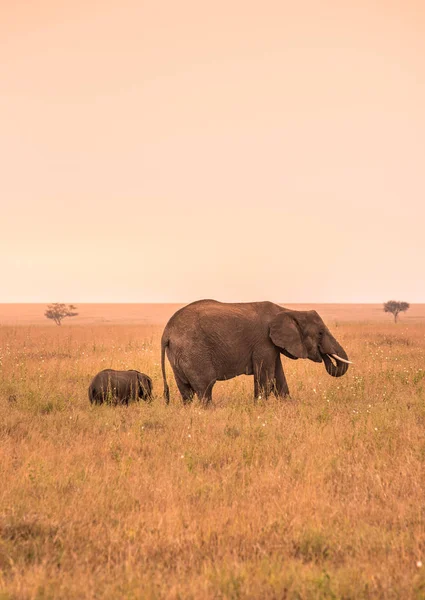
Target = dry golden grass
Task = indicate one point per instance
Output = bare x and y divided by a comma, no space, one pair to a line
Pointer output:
318,497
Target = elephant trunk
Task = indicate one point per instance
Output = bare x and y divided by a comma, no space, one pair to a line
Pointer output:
335,359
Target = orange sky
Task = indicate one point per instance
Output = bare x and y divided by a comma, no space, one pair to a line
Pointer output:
156,151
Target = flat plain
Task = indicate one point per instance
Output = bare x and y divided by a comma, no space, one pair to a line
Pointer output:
319,496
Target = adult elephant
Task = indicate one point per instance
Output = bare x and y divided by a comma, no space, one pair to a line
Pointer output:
209,341
120,386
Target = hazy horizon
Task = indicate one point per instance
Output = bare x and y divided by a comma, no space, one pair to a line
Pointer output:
175,302
159,313
163,152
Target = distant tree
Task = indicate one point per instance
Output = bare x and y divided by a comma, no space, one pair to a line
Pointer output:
58,311
394,307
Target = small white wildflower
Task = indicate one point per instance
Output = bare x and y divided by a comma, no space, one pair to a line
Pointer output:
189,435
264,424
182,456
376,429
314,390
419,564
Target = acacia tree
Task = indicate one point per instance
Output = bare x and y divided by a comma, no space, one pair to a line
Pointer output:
59,311
394,307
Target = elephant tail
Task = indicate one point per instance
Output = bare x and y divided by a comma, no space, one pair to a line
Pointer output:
164,344
91,395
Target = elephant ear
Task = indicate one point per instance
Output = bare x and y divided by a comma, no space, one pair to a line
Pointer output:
145,383
285,333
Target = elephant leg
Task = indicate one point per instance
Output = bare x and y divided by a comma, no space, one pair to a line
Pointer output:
264,376
204,393
281,386
203,388
262,386
200,375
256,387
185,389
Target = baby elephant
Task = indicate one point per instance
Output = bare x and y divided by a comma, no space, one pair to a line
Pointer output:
120,387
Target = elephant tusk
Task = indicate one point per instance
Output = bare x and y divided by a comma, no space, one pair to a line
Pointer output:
336,357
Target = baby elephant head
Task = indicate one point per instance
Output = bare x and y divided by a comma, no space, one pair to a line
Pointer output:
303,334
145,386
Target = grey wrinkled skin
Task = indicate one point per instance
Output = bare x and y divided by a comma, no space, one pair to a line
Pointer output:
209,341
119,387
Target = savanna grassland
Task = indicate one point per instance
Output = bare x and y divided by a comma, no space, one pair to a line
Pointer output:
320,496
